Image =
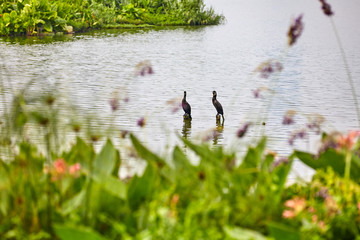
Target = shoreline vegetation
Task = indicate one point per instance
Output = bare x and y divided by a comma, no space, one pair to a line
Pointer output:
44,17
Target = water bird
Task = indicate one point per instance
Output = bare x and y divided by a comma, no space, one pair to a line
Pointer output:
186,106
218,106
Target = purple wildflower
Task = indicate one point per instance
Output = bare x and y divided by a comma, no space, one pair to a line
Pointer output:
288,120
114,103
315,123
141,122
269,67
256,92
299,134
242,131
295,30
289,117
210,134
326,8
175,104
328,142
279,161
144,68
124,133
322,193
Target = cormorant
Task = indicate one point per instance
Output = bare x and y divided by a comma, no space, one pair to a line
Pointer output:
186,106
218,106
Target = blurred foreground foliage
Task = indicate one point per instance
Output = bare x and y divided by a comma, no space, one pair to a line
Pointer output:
77,193
38,17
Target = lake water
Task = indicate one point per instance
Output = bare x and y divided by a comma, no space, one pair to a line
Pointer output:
88,68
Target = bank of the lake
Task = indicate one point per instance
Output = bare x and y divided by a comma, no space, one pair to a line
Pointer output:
42,17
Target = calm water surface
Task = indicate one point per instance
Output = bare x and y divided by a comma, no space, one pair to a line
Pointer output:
89,68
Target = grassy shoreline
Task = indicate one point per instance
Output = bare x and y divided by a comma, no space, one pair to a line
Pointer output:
38,17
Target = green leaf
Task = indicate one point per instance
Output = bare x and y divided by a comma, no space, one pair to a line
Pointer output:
81,152
282,232
331,158
238,233
111,184
202,150
308,159
73,203
13,14
48,27
254,155
105,161
76,233
6,18
279,176
141,188
37,21
180,159
145,153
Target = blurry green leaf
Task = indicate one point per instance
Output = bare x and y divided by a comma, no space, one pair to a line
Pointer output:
48,27
81,152
279,176
13,14
254,155
6,17
331,158
73,203
308,159
141,188
76,233
105,161
267,163
181,161
145,153
202,150
282,232
238,233
111,184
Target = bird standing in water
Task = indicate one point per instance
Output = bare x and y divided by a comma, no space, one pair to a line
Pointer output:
218,106
186,106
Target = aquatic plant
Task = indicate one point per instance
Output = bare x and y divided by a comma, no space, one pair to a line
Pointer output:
328,12
37,17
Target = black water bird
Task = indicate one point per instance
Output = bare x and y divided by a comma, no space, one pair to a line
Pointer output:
218,106
186,106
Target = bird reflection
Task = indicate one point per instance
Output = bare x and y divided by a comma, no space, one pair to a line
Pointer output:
186,130
218,133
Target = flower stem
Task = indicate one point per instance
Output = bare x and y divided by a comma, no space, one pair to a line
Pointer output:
347,168
49,162
351,82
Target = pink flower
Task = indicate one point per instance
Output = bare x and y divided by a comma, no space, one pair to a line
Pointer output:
296,205
348,141
74,169
288,214
60,166
314,218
